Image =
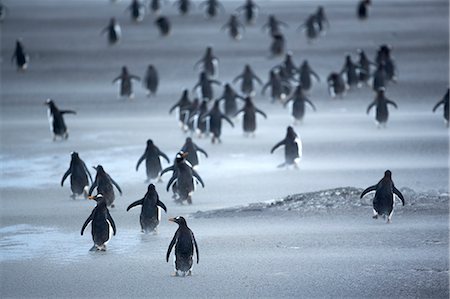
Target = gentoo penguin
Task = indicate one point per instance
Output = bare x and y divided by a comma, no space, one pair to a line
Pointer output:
362,10
250,11
247,77
126,86
212,8
364,67
209,63
321,19
273,25
215,117
278,45
104,184
155,6
350,70
299,99
163,25
137,10
184,242
306,72
152,160
384,56
204,86
183,105
445,102
310,27
20,56
102,224
56,120
151,80
113,30
279,87
249,119
200,120
383,201
292,148
79,174
336,85
184,6
229,97
234,27
191,149
289,65
382,113
150,212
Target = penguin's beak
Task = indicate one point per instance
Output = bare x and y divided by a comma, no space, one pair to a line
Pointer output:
91,197
172,219
184,155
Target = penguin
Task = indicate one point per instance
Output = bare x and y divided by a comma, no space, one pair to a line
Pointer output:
104,184
204,86
350,69
250,11
137,10
102,224
299,99
321,19
151,80
289,65
305,74
234,27
336,85
79,173
279,87
184,242
3,9
150,212
184,6
113,30
311,28
383,201
364,67
183,105
191,149
445,102
249,119
212,8
384,56
191,112
292,148
381,103
209,63
126,86
215,122
247,77
155,6
278,45
229,97
379,77
56,120
201,120
22,58
273,25
163,25
362,10
152,160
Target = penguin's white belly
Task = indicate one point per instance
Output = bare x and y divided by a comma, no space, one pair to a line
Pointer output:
50,120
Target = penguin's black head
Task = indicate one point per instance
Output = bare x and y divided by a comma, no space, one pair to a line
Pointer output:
97,198
208,50
151,187
151,67
305,62
320,9
388,174
74,155
203,76
381,91
149,142
179,220
189,140
124,70
247,67
348,57
99,168
216,105
49,102
248,100
185,93
181,156
290,132
113,20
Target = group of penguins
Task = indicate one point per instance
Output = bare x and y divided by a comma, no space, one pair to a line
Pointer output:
287,83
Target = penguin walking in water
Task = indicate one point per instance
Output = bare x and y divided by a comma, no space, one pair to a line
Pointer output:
22,59
384,57
362,10
364,65
137,11
229,97
247,77
184,6
183,105
104,184
306,73
445,103
215,117
102,225
204,85
113,31
191,149
56,120
234,27
278,45
163,25
311,28
321,19
152,161
126,86
279,88
273,25
150,212
381,103
336,85
350,70
209,63
250,11
79,173
184,242
383,201
249,117
292,148
212,8
151,80
299,100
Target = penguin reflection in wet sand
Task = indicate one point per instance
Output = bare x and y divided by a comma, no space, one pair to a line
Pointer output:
79,173
191,149
152,161
299,99
383,201
163,25
126,86
150,212
20,56
249,113
56,120
382,113
184,242
215,122
292,148
113,31
445,102
102,224
104,184
151,80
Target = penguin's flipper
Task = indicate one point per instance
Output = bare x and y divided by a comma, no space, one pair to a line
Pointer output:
87,221
171,181
164,156
392,103
170,168
197,176
91,189
111,221
438,104
115,184
400,195
263,90
68,112
134,204
311,104
261,112
371,106
196,246
202,151
87,171
315,75
228,120
69,171
172,243
237,78
142,158
367,190
277,145
162,205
